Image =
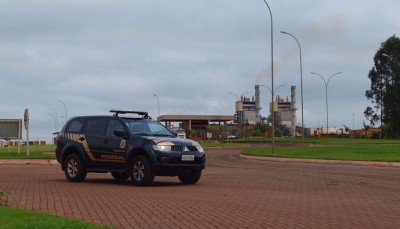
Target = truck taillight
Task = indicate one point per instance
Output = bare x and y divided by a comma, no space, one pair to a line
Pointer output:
57,138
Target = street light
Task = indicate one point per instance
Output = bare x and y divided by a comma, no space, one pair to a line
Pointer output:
274,89
273,92
158,104
241,96
237,97
65,106
272,78
55,112
239,112
326,95
55,122
301,83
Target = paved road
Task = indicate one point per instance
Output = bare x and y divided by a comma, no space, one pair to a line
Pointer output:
232,193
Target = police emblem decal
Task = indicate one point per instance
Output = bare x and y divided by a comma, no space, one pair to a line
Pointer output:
122,144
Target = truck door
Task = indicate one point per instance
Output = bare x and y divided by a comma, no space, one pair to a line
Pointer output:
95,137
114,145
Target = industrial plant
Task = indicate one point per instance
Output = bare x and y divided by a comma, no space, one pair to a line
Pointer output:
248,111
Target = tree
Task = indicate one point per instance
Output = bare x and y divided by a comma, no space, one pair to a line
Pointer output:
366,129
384,93
259,129
210,131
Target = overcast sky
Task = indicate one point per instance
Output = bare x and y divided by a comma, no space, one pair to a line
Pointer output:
97,55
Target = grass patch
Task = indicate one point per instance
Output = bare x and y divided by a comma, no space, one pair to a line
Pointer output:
42,151
2,201
337,149
35,152
206,144
17,218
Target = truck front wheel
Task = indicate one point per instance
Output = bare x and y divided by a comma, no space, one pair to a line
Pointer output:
142,174
191,177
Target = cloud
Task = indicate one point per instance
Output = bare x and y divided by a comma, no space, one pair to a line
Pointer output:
95,55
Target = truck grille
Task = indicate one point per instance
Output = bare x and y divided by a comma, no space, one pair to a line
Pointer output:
184,148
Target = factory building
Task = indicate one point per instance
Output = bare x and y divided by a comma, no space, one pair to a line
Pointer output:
248,111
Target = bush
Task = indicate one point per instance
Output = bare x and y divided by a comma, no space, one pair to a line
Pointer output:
2,201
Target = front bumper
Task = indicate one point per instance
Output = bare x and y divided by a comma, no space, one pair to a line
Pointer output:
172,162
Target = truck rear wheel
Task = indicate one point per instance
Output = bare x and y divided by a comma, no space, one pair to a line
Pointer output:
74,169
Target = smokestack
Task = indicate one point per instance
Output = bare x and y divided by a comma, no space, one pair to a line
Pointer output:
293,109
257,103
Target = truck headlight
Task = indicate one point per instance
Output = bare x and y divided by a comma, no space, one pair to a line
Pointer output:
163,148
200,149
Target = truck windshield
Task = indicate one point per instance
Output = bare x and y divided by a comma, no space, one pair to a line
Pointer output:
147,128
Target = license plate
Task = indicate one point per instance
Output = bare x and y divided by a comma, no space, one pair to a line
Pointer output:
187,158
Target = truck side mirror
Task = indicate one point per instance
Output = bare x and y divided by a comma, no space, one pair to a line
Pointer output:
121,133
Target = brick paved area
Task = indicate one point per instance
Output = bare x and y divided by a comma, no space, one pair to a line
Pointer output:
233,193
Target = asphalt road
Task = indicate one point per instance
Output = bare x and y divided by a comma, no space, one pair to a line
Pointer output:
232,193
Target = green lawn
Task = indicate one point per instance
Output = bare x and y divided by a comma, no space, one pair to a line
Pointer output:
335,149
213,143
35,152
11,218
319,148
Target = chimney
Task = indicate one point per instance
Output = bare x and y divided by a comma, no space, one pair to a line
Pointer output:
257,103
293,109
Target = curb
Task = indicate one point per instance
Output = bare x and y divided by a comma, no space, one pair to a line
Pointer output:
245,157
321,161
226,147
28,162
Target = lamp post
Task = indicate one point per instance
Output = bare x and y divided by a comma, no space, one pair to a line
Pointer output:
55,112
65,106
236,111
272,78
239,115
326,95
158,104
244,94
273,92
274,89
55,122
237,97
301,83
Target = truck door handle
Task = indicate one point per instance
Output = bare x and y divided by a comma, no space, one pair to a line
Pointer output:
81,139
105,141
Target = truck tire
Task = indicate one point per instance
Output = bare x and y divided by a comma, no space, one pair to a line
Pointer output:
191,177
142,174
120,176
74,169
